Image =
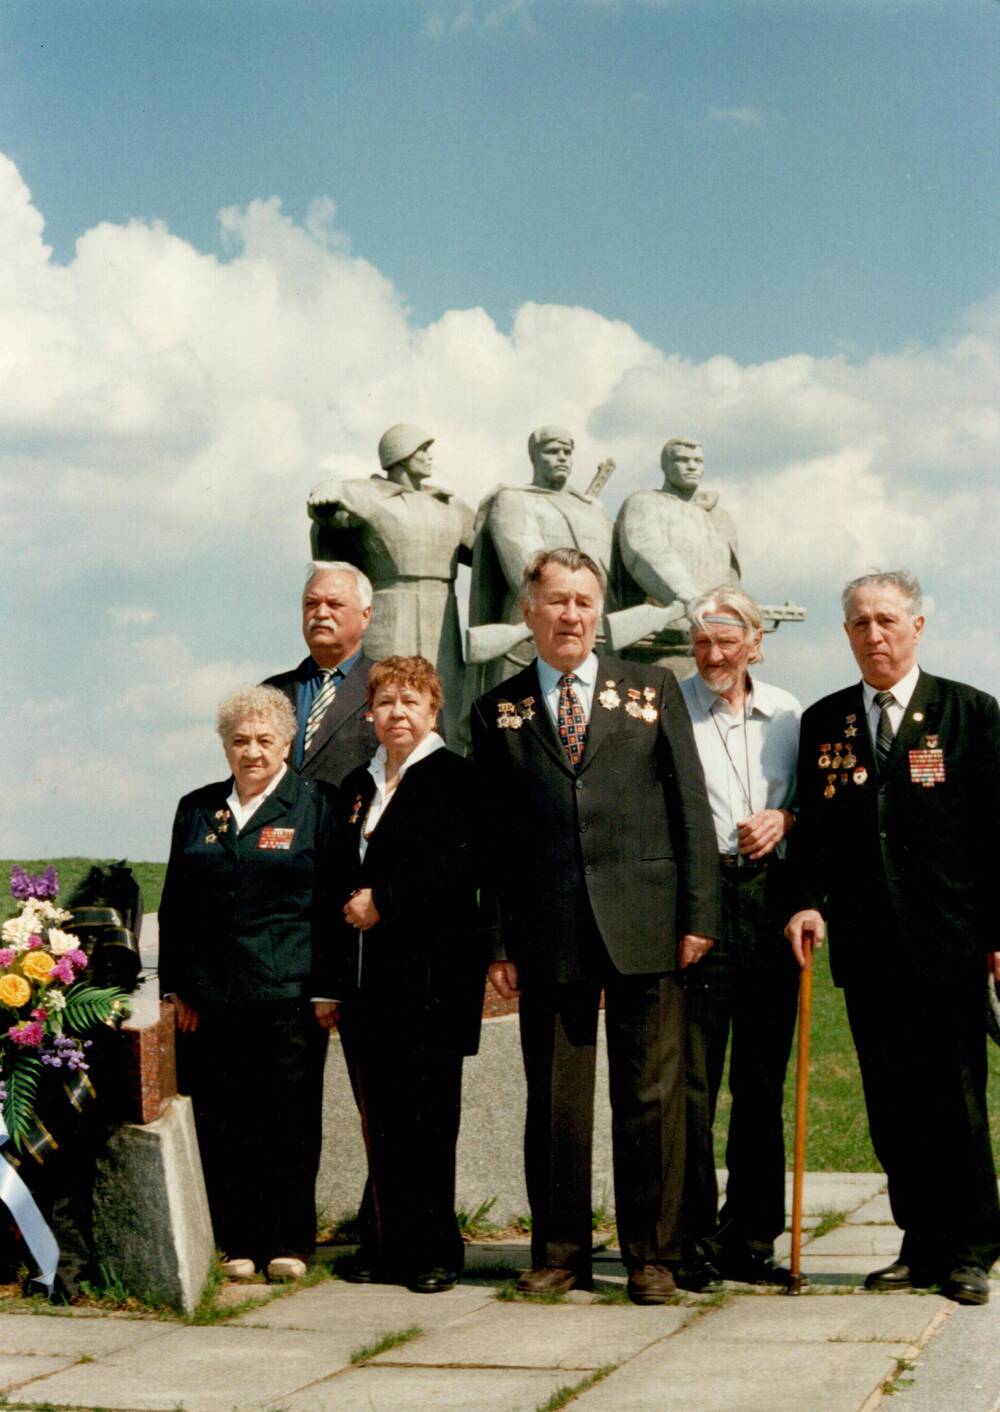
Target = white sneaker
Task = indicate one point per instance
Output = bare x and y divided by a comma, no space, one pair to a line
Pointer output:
238,1269
286,1267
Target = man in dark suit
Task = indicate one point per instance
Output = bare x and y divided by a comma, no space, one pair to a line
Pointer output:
329,689
899,793
602,853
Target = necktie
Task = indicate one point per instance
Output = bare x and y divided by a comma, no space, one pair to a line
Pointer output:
572,726
322,699
883,736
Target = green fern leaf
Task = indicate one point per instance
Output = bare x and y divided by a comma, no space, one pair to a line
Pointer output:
88,1006
21,1078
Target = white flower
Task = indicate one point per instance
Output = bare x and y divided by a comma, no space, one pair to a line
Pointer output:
60,942
16,932
54,1000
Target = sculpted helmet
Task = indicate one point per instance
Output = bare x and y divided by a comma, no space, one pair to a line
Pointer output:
399,443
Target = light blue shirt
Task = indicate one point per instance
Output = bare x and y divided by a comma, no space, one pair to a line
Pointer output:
584,682
749,761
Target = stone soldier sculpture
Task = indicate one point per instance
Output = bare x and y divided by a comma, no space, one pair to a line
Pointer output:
513,524
409,538
670,545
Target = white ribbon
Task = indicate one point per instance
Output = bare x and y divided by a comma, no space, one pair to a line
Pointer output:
31,1223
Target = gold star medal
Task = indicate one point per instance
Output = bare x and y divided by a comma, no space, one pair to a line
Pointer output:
632,704
528,708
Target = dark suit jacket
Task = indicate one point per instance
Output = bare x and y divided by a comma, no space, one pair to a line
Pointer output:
424,963
632,827
241,919
346,736
891,849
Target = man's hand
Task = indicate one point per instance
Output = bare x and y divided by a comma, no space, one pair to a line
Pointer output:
692,949
805,929
187,1016
503,979
327,1014
993,965
360,911
762,832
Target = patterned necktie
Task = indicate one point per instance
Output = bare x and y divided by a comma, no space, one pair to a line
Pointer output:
572,726
883,736
322,699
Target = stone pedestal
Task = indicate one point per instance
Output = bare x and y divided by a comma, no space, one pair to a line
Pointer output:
152,1229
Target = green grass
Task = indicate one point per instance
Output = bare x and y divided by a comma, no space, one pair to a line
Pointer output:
149,876
391,1338
837,1134
563,1396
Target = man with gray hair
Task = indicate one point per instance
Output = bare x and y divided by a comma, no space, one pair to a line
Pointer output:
747,735
329,688
899,795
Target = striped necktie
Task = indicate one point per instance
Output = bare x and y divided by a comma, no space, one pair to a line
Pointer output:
572,726
883,736
322,699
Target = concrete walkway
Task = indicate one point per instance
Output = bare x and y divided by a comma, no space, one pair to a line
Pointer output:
832,1349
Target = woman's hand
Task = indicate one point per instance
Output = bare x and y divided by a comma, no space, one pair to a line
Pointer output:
360,911
327,1014
187,1016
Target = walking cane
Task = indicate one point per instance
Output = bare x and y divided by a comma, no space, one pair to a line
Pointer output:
801,1112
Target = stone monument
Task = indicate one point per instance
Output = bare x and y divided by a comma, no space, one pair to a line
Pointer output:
512,524
670,545
409,538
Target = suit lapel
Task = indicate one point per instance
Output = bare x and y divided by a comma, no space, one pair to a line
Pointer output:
274,806
539,723
602,718
351,694
921,715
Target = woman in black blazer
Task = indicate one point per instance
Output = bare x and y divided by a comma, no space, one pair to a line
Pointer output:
247,909
411,983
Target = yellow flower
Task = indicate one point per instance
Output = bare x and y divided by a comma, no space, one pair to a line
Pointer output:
37,965
14,991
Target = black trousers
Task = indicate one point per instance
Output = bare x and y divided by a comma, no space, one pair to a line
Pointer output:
644,1021
408,1088
921,1043
257,1085
746,987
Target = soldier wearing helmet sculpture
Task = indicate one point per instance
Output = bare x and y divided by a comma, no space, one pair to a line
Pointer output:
409,538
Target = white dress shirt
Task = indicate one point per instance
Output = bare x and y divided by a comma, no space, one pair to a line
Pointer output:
381,799
584,681
901,694
749,759
243,813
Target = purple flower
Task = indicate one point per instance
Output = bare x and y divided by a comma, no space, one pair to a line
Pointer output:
35,942
78,958
41,886
6,956
63,969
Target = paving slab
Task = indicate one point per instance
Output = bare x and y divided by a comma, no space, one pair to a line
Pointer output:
16,1369
960,1366
373,1389
200,1369
835,1191
57,1335
358,1310
876,1318
544,1336
857,1240
839,1269
684,1375
875,1211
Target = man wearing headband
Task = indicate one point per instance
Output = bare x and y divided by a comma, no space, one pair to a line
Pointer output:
747,735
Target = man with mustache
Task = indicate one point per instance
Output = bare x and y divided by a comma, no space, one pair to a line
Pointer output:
329,689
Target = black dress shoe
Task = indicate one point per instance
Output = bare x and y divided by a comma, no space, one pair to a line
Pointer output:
898,1275
360,1269
434,1281
698,1276
967,1284
751,1267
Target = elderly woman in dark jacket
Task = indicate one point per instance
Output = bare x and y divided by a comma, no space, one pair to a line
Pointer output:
247,911
412,981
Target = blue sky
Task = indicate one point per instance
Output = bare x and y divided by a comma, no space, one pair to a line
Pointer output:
770,224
